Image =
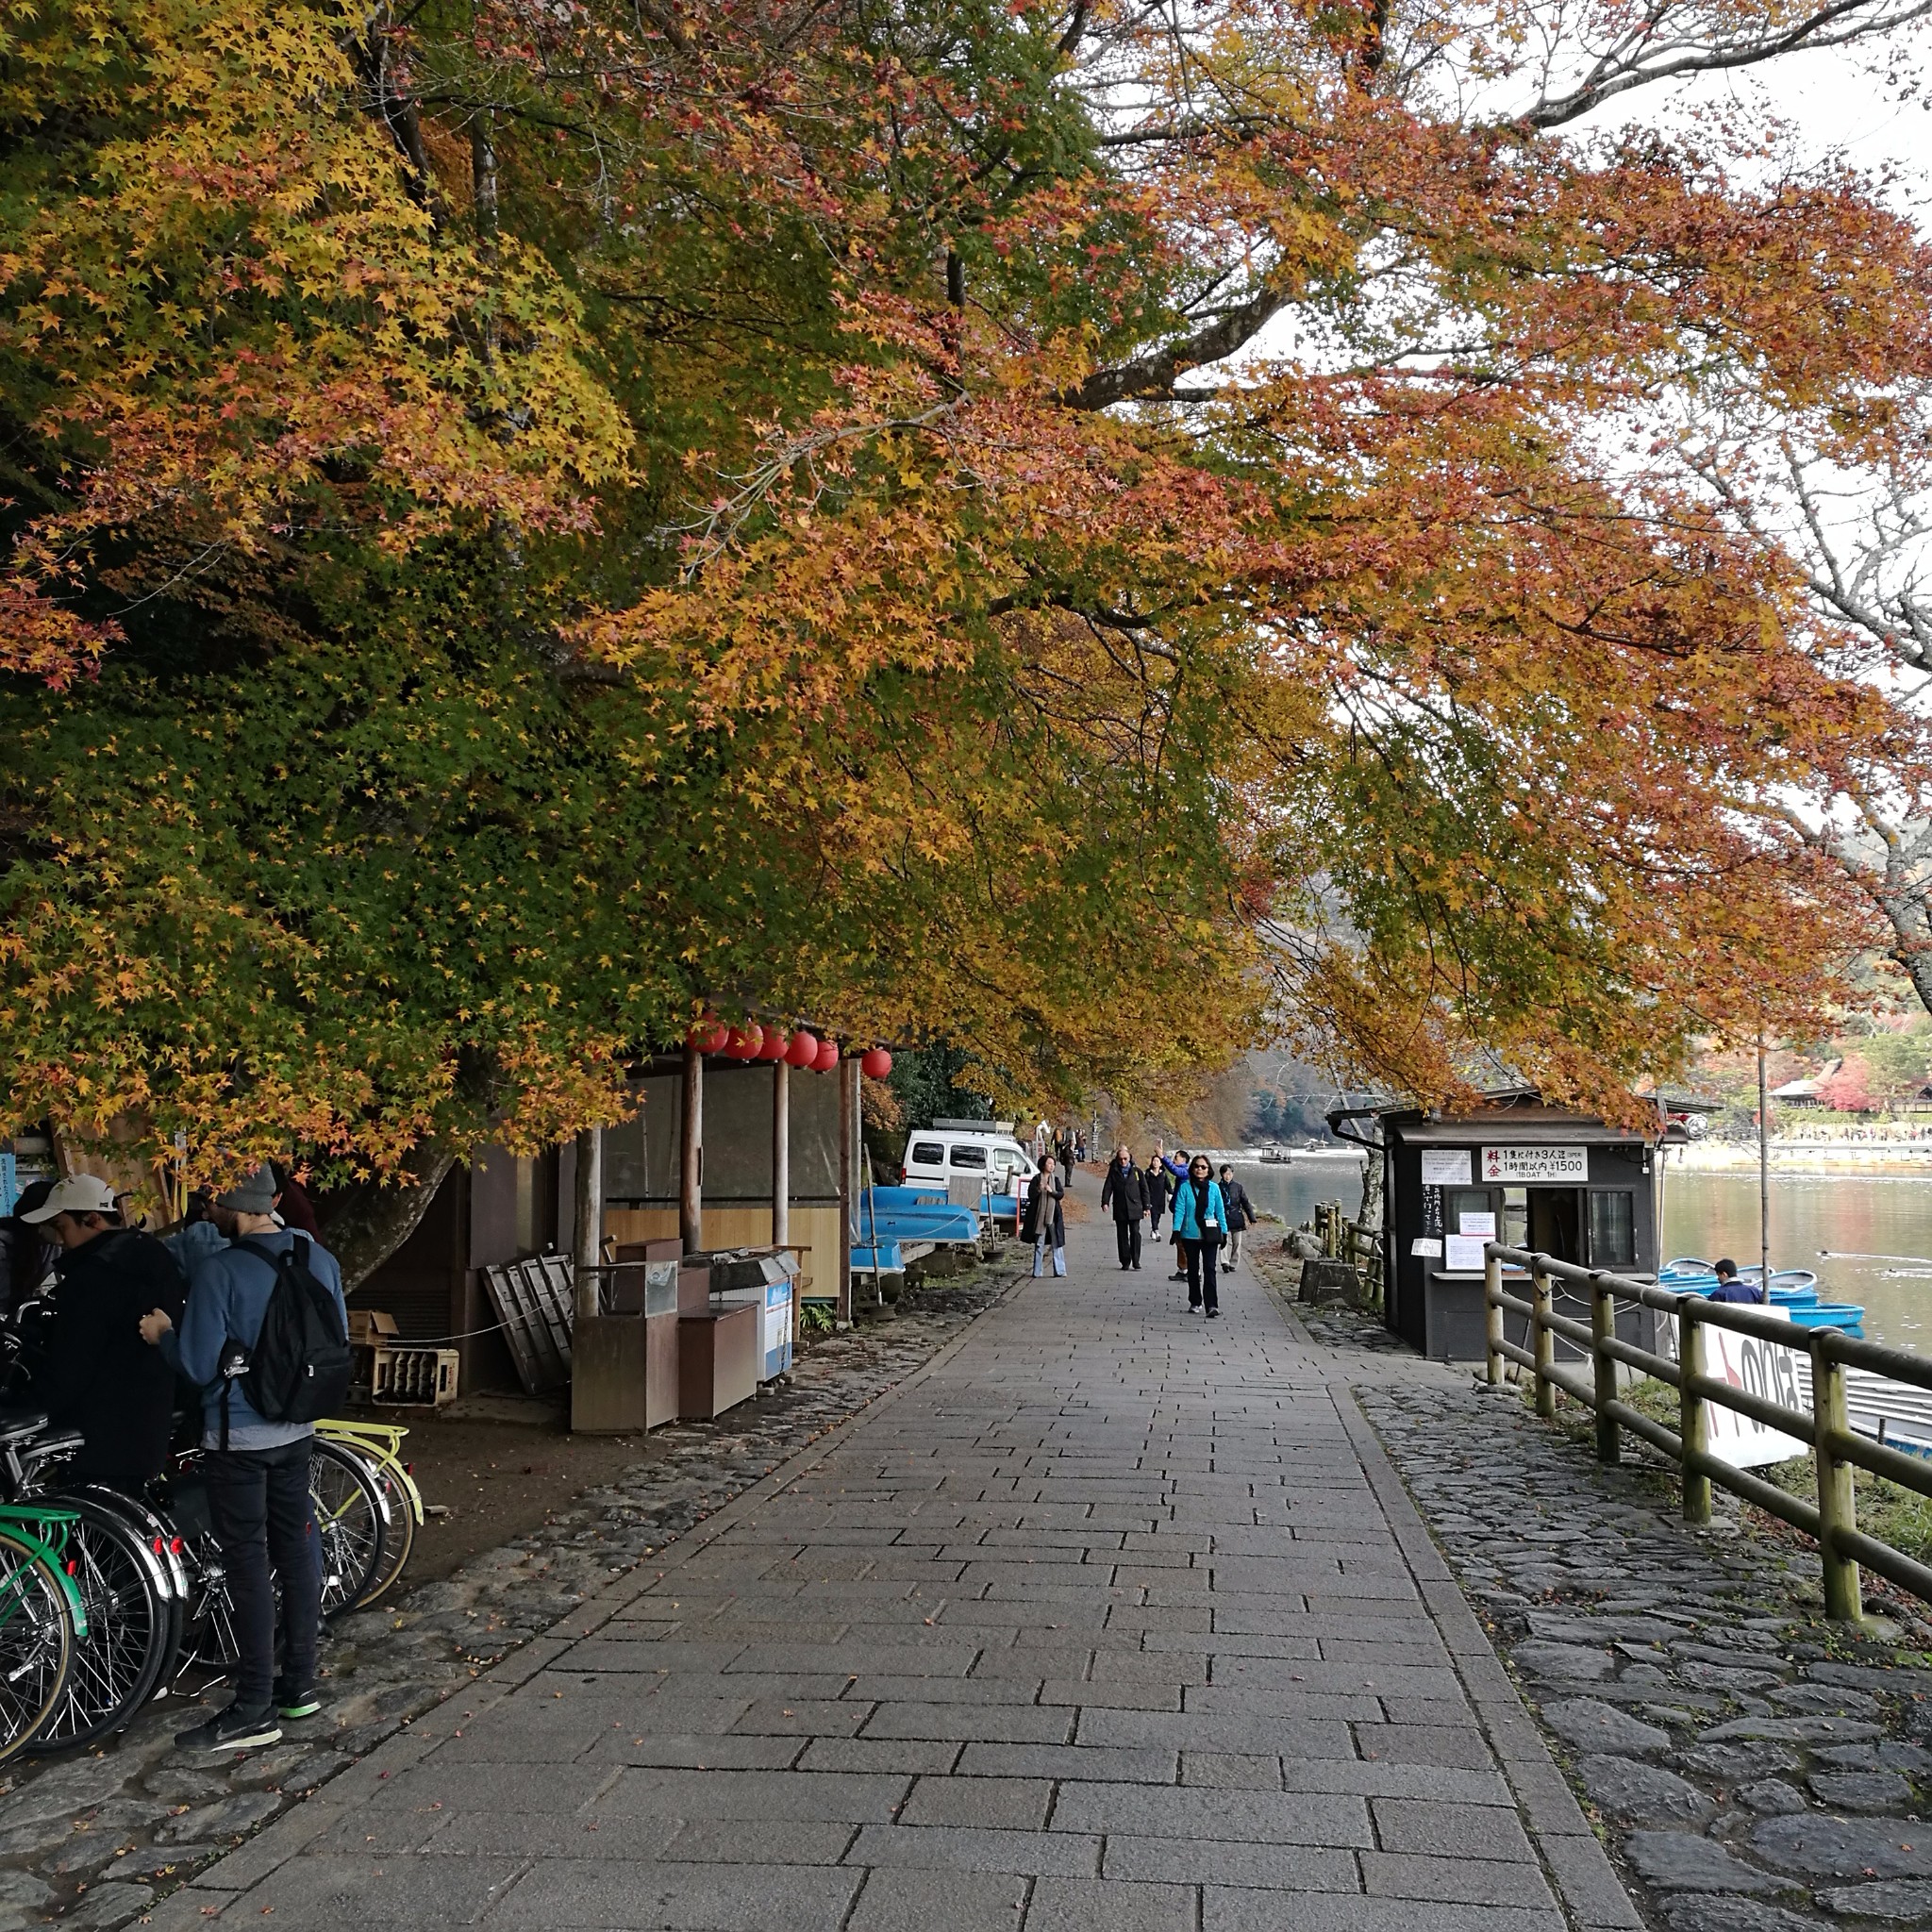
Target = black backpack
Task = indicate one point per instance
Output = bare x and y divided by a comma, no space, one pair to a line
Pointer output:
299,1368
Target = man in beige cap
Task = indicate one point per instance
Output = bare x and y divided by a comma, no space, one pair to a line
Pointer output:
96,1373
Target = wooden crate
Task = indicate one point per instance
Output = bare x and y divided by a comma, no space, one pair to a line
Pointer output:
414,1377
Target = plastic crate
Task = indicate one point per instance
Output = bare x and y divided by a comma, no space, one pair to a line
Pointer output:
414,1377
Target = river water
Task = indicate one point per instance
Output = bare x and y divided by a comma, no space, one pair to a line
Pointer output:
1713,1214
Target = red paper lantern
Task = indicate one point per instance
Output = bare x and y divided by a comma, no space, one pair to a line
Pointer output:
804,1050
774,1044
876,1064
828,1056
709,1036
744,1042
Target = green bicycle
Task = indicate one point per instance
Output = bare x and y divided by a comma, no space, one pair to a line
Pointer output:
42,1620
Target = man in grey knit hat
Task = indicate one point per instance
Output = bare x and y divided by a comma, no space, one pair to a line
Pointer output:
256,1470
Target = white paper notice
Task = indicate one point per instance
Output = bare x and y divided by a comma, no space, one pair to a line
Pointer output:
1448,1167
1422,1244
1463,1251
1482,1225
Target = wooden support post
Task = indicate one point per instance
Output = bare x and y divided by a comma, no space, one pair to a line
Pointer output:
1492,1314
691,1183
781,1153
1542,1338
588,1231
1694,1417
1603,1329
1837,1500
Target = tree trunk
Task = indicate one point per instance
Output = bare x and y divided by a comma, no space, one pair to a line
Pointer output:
376,1219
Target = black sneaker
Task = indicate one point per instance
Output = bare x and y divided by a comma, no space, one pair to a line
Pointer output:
292,1705
231,1730
1214,1314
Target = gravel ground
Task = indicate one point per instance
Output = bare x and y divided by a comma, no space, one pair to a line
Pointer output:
92,1841
1752,1767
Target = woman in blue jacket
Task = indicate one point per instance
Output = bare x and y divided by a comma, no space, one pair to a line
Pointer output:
1200,1222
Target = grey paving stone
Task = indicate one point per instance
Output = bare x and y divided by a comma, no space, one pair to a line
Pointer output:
725,1841
1701,1912
960,1901
906,1754
962,1848
1008,1804
838,1797
1458,1746
1096,1762
1227,1909
1450,1831
747,1897
992,1724
1266,1817
1861,1791
1075,1904
389,1891
1453,1881
1224,1861
1231,1771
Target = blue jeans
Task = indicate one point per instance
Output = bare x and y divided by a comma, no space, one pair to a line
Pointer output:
1040,1244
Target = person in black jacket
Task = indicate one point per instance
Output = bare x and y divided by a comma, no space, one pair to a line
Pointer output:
1240,1215
1126,1191
26,1260
1157,1184
95,1373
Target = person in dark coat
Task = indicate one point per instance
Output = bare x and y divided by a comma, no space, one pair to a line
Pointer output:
26,1260
95,1373
1042,1224
1125,1190
1157,1184
1730,1287
1240,1215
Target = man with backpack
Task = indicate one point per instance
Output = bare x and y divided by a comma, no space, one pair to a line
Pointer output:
266,1338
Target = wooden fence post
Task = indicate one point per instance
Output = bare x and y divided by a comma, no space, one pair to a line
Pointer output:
1694,1419
1492,1312
1603,1329
1543,1340
1837,1500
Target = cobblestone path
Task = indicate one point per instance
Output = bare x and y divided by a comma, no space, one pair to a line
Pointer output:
1110,1618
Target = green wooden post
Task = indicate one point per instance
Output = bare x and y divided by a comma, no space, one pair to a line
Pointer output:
1492,1310
1693,1418
1545,1342
1603,1328
1838,1506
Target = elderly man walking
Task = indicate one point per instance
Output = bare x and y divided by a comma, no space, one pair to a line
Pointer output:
1125,1191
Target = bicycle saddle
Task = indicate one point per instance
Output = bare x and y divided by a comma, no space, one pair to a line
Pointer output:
18,1425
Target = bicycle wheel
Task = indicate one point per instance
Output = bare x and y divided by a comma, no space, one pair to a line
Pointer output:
131,1629
399,1532
37,1639
351,1519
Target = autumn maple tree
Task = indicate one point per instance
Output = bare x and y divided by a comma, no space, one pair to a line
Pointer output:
1081,531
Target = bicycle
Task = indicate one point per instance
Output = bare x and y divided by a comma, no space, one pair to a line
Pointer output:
42,1620
379,1445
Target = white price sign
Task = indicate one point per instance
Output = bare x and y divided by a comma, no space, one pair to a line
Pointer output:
1446,1167
1517,1164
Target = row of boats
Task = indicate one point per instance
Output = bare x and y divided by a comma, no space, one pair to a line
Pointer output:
1794,1292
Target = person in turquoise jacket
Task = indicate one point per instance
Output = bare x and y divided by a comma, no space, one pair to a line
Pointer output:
1200,1224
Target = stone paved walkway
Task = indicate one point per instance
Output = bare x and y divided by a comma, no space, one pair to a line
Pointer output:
1110,1618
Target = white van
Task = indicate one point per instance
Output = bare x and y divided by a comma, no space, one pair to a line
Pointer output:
951,1150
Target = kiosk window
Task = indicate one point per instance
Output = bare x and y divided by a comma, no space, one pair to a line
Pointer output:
1612,1230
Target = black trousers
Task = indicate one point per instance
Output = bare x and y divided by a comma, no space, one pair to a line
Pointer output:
1127,1236
265,1525
1201,1255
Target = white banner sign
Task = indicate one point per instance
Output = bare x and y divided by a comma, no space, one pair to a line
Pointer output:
1513,1164
1761,1368
1446,1167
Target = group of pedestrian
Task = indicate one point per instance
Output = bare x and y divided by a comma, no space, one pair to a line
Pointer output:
232,1309
1210,1214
